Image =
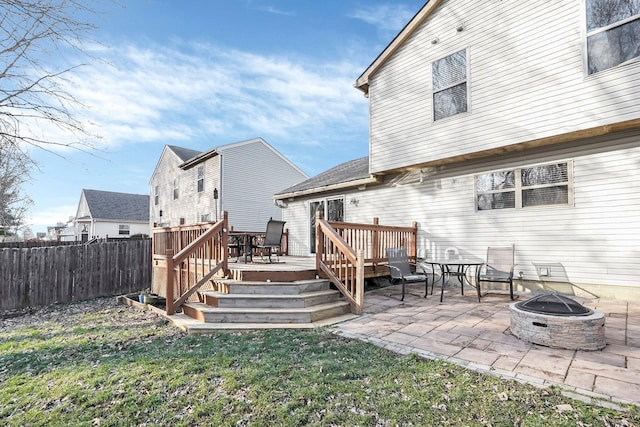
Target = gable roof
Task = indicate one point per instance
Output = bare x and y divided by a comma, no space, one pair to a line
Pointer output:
349,174
362,82
117,206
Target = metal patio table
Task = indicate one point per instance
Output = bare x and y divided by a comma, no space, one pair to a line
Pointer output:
452,267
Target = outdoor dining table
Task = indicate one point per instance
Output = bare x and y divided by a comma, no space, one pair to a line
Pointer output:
245,241
457,267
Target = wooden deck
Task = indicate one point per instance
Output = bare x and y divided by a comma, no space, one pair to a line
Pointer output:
297,263
265,305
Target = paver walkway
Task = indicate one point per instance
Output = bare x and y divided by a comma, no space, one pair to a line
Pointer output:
477,335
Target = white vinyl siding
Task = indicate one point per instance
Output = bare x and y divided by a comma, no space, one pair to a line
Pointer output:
527,82
244,175
592,242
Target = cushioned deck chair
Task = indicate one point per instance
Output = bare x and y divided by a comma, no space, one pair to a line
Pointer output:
401,269
272,238
498,268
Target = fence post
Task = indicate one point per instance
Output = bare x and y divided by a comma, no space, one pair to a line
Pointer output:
359,296
169,282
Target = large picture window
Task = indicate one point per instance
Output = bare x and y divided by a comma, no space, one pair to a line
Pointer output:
524,187
449,76
613,33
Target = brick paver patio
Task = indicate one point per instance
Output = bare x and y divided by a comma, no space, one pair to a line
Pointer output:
477,335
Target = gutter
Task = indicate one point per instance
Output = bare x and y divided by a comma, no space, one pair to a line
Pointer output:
339,186
199,158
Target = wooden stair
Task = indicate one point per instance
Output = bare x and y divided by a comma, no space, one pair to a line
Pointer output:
269,299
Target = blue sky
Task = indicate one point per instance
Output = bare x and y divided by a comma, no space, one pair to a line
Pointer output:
204,73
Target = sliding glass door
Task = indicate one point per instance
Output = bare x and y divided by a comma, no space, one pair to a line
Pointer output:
332,209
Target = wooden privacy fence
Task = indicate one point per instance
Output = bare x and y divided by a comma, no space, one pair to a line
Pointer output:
31,277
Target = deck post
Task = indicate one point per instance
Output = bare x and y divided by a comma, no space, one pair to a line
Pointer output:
359,296
169,282
375,244
319,240
225,243
414,244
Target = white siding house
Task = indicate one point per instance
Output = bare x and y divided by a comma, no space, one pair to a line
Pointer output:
108,214
189,187
494,123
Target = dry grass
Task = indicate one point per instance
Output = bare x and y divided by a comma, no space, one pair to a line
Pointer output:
102,364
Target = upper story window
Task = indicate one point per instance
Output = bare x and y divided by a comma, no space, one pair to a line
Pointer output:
123,230
176,184
156,195
540,185
613,33
449,76
200,179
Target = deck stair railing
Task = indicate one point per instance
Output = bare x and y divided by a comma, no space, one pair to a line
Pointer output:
344,251
193,255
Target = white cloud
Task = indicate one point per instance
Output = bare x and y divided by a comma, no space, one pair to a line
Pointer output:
389,18
41,219
169,94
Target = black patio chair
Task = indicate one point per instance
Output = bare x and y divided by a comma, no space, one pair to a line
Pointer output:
401,269
498,268
272,238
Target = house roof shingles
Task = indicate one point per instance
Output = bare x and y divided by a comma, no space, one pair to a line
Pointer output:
184,153
345,172
117,206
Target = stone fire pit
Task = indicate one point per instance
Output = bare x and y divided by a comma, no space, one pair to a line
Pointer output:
557,321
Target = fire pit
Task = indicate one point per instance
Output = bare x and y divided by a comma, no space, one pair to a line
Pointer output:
556,321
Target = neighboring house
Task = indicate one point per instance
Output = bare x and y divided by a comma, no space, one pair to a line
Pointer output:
494,123
189,186
103,214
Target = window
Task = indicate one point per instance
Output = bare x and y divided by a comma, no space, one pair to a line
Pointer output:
205,217
525,187
449,76
175,189
156,195
613,33
200,179
123,230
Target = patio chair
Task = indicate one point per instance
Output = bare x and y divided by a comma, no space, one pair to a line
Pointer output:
272,238
498,268
401,269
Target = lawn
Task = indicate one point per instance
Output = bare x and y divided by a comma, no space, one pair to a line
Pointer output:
98,363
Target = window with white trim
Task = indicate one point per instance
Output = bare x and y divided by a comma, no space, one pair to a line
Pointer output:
540,185
449,78
613,33
156,195
200,179
176,193
123,230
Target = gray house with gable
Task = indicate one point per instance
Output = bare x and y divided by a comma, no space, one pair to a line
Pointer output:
103,214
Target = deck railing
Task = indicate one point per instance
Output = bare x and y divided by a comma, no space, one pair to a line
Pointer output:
343,250
193,255
374,239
